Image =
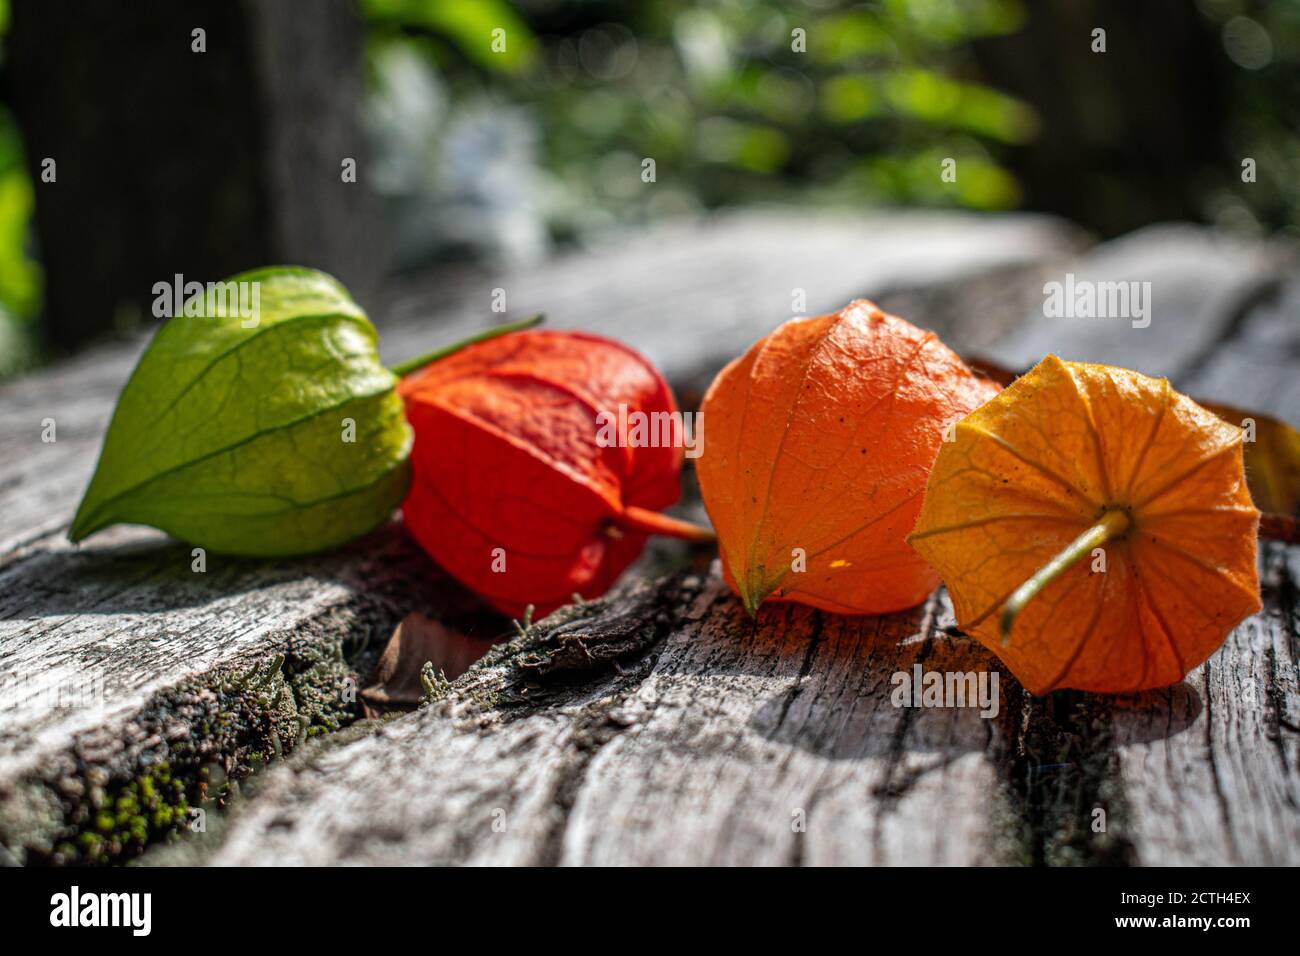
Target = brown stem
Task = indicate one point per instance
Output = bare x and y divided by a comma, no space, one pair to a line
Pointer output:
652,522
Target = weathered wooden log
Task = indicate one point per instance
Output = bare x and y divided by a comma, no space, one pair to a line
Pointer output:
126,618
662,726
777,741
658,725
1195,300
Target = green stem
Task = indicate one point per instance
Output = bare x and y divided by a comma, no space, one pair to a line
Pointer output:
1111,525
415,364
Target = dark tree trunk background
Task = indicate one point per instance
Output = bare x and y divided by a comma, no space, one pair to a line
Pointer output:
172,161
1129,136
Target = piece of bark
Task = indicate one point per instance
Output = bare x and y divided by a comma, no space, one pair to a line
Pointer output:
418,640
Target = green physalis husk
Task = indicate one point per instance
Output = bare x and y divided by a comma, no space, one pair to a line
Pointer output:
280,437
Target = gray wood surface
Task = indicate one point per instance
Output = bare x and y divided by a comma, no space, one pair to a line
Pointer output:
694,735
1206,291
707,743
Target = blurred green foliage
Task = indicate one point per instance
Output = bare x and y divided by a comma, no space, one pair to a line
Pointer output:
468,23
829,102
20,276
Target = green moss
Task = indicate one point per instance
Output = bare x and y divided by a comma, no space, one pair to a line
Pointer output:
232,724
434,683
130,816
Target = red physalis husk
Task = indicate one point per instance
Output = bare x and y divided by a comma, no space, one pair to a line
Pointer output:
514,492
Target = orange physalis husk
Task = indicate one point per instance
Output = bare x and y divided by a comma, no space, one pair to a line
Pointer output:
821,438
514,491
1077,468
